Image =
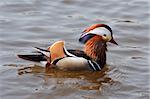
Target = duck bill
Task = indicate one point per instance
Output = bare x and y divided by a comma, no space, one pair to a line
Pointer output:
113,41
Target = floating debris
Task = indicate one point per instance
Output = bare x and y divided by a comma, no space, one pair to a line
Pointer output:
136,57
127,21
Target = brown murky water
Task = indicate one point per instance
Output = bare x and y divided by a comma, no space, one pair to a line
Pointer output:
28,23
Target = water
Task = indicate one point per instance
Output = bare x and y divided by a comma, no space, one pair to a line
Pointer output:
28,23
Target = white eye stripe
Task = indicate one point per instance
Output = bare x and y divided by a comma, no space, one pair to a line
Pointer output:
84,34
99,31
102,31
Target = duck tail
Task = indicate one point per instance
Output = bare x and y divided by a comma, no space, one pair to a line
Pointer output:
39,55
36,57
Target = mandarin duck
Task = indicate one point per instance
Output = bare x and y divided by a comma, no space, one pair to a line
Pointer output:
92,57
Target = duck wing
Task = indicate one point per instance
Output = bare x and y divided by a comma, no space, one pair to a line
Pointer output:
79,53
38,56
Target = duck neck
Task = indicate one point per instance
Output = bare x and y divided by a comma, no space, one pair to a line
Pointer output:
96,50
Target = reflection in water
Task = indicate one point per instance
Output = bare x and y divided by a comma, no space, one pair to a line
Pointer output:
92,80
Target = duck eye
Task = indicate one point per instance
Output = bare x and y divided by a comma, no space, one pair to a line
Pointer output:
104,35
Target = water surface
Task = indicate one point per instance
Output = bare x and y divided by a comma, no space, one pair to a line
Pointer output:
28,23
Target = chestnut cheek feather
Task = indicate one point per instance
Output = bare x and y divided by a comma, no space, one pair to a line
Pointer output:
95,47
89,49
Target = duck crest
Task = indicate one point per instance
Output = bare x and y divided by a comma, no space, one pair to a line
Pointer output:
92,27
96,49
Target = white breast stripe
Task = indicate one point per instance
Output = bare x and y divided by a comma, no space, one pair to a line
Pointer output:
97,65
92,65
68,53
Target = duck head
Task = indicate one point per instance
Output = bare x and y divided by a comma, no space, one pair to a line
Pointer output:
94,39
98,29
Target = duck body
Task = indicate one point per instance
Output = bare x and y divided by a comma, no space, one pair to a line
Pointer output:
58,56
77,63
72,63
62,59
